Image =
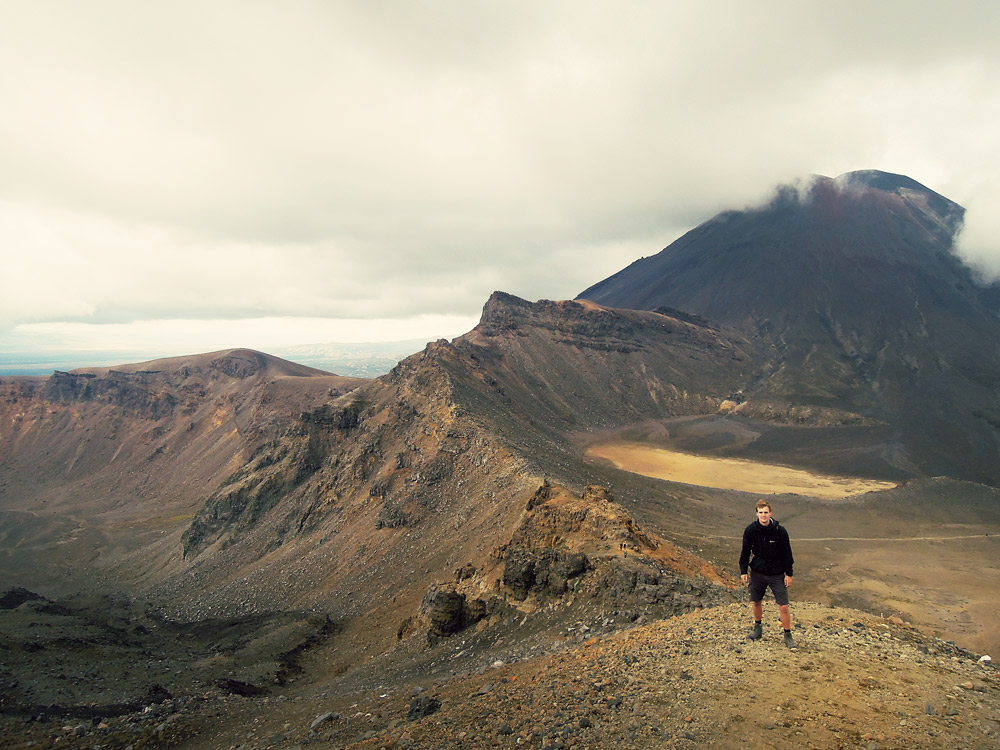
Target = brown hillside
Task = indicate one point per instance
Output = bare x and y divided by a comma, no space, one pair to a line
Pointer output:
103,462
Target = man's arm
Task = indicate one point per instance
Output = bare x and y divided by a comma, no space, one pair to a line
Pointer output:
788,561
745,552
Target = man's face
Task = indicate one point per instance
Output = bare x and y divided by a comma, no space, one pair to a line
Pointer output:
764,516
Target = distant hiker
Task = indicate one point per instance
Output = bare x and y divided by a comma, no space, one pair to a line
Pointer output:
770,567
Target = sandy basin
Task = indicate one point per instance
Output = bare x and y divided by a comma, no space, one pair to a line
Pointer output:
730,473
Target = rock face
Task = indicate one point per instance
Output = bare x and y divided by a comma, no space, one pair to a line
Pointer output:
856,297
545,572
448,611
591,544
575,364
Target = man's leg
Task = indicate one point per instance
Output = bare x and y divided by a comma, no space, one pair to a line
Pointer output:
757,631
758,585
780,591
786,623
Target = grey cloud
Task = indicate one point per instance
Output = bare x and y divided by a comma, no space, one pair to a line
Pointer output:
383,159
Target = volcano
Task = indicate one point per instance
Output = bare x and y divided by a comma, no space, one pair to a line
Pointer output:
853,292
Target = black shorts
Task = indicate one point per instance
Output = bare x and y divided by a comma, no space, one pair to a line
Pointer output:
759,583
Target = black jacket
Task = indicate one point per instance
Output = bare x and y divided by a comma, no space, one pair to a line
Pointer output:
772,552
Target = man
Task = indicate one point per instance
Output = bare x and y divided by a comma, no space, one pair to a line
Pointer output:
768,554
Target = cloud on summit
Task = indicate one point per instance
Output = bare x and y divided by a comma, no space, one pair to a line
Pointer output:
379,160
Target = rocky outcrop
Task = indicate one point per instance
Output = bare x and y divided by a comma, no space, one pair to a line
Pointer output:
589,544
144,394
447,611
543,572
570,547
15,597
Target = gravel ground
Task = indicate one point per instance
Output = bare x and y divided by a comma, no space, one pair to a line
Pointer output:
855,681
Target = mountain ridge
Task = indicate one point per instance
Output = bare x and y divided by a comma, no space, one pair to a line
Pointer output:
237,362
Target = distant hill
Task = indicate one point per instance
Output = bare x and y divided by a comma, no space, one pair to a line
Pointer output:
853,294
361,360
238,363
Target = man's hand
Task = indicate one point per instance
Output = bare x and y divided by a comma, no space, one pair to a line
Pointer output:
788,582
744,578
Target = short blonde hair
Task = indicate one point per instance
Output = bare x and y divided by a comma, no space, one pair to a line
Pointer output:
763,504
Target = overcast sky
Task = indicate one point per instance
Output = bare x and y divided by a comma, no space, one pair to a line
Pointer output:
178,177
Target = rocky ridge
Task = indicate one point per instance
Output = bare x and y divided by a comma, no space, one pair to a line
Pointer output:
457,433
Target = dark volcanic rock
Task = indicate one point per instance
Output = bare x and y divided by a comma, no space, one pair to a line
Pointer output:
519,572
421,706
17,596
446,610
97,656
546,571
449,611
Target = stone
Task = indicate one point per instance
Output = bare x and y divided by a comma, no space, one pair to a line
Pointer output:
445,608
422,706
323,718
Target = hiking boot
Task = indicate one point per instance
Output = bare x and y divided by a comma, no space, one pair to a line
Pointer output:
790,642
755,633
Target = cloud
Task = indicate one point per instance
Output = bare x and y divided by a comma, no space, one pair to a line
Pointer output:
374,160
978,243
163,337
